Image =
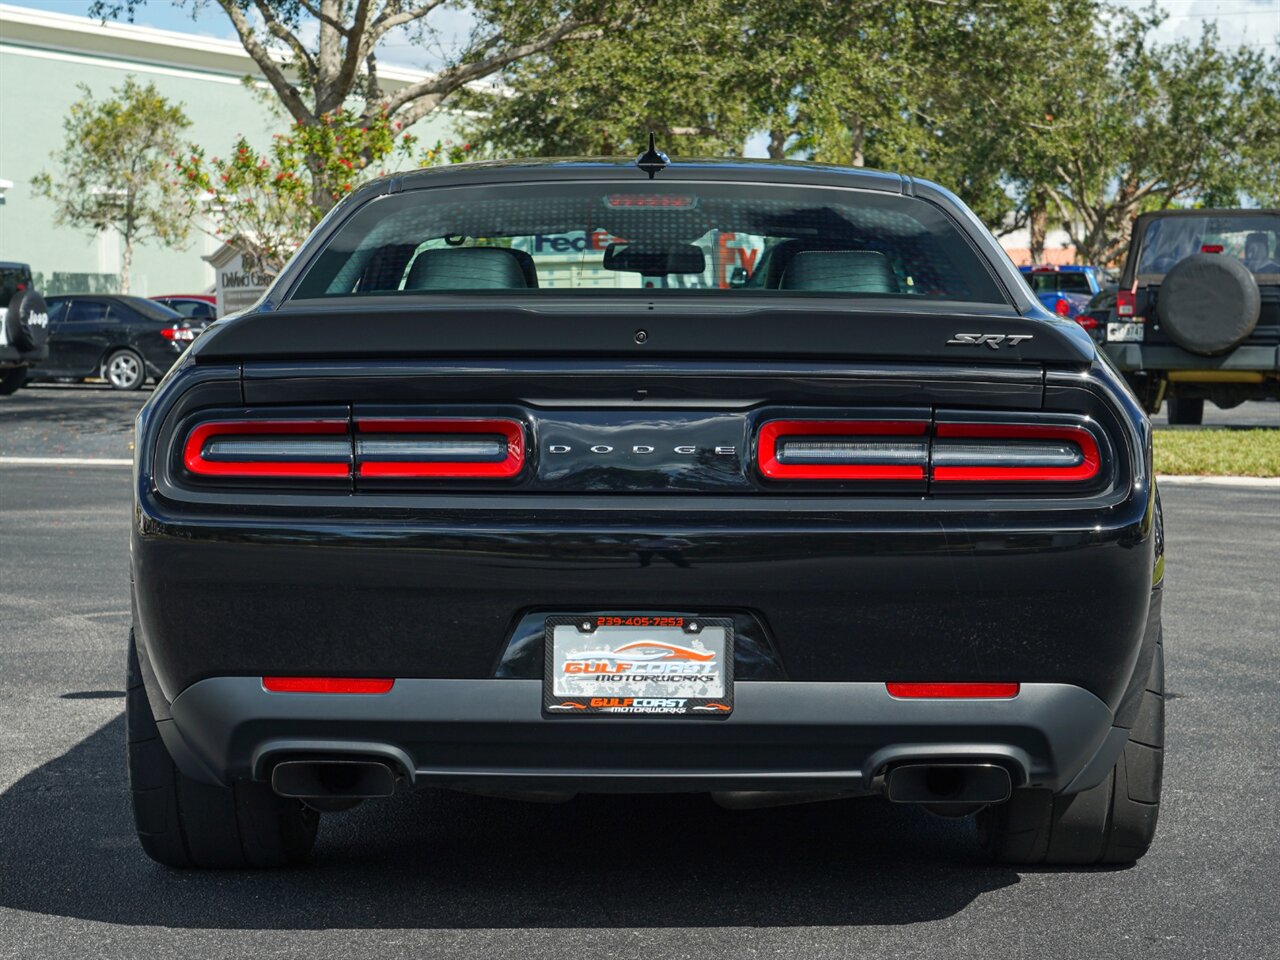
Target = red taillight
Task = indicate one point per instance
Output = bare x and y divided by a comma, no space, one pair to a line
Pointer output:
1001,452
1211,248
1062,307
327,685
953,691
1126,303
1086,321
433,448
316,448
843,449
178,334
630,200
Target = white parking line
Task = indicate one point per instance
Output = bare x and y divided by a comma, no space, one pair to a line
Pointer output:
1220,481
64,462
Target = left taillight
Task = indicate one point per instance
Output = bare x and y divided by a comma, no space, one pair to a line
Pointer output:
301,449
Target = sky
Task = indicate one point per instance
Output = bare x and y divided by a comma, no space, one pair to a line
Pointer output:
1252,22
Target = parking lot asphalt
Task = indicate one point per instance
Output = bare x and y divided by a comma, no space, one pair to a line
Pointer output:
436,874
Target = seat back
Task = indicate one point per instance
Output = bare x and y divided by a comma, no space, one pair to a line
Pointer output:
840,271
467,268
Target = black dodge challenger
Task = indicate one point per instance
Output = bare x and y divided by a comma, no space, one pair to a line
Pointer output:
767,480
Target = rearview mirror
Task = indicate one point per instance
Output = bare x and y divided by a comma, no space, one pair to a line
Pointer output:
655,261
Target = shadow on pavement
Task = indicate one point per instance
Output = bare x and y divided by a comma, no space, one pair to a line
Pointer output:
436,859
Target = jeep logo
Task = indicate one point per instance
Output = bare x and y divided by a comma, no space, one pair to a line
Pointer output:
992,340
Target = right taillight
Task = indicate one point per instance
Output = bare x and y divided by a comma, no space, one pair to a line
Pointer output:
1008,452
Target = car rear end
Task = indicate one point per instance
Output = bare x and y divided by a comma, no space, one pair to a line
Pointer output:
840,537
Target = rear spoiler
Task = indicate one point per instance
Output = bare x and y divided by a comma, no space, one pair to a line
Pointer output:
647,330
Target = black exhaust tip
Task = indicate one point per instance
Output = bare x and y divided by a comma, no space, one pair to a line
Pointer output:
943,783
327,779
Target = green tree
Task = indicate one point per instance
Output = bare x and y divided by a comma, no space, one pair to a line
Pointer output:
320,56
113,169
263,202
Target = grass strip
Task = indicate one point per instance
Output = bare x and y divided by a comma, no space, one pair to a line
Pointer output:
1218,453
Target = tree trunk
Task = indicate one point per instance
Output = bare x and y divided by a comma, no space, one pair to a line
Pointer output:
856,158
1038,225
777,144
126,261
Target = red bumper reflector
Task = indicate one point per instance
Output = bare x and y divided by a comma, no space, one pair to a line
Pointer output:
851,454
326,685
455,462
953,691
1022,458
263,457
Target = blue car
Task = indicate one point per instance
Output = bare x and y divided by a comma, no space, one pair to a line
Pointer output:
1066,290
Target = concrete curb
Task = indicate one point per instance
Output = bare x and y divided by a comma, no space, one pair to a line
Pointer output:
1273,482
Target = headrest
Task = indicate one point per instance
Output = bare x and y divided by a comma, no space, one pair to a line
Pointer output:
840,271
467,268
1257,246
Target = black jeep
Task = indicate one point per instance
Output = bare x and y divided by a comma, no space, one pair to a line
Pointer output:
24,326
1197,313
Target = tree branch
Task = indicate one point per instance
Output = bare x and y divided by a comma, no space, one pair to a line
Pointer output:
392,16
280,32
323,17
287,92
432,90
355,51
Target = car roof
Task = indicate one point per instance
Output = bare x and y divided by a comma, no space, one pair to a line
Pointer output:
1208,212
680,168
14,265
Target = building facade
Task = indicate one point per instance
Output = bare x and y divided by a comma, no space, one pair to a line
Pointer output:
45,58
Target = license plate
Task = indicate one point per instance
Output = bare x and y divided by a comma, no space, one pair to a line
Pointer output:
638,665
1124,332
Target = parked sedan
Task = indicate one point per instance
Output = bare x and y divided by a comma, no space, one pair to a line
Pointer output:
122,339
1066,289
197,306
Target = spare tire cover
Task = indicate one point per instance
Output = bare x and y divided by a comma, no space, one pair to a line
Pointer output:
1208,303
27,320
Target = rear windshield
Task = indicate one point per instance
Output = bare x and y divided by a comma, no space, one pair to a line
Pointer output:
645,238
1058,282
11,280
150,309
1253,239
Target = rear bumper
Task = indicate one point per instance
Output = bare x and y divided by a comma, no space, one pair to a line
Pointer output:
1138,356
11,356
782,736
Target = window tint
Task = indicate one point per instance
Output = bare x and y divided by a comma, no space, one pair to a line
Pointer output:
1252,239
644,239
11,278
86,311
149,309
57,310
1058,282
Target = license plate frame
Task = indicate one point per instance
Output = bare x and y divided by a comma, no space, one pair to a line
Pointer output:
692,655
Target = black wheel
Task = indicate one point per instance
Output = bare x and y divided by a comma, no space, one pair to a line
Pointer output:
124,370
184,823
11,380
1113,822
1186,412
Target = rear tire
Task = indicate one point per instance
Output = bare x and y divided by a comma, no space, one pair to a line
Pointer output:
1186,412
11,380
185,823
124,370
1113,822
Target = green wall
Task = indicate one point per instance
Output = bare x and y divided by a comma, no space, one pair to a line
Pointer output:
37,87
